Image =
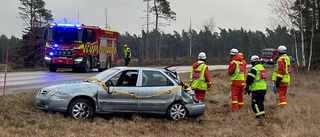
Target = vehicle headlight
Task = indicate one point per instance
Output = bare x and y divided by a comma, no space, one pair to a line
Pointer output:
47,58
78,59
76,47
271,59
52,92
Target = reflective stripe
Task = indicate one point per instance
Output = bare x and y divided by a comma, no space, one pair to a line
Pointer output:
282,103
234,102
252,75
257,109
240,103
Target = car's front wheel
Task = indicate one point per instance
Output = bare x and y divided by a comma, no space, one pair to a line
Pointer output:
176,111
80,108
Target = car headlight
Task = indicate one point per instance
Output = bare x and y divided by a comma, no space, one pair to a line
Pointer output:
52,92
271,59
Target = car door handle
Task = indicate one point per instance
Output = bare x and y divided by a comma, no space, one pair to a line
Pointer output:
132,92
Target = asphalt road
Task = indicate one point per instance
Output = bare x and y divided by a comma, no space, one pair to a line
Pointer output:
17,82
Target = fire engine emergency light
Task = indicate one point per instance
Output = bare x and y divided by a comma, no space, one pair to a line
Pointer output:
51,53
56,45
65,25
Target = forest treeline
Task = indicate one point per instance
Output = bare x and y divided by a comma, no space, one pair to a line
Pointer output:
298,30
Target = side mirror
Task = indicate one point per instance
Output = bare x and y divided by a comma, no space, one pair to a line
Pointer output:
45,31
110,89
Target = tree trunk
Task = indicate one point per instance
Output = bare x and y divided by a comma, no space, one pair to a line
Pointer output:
302,39
296,46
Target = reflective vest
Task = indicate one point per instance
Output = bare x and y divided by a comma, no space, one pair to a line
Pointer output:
286,76
238,73
197,77
126,52
259,82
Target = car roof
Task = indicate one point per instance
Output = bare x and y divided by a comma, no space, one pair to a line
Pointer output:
141,68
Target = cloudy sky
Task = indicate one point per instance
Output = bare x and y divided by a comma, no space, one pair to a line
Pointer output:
128,15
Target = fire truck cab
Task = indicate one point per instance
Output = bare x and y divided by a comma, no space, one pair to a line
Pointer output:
80,47
269,55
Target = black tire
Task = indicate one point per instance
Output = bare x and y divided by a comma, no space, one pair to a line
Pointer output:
109,63
80,109
176,111
52,68
87,66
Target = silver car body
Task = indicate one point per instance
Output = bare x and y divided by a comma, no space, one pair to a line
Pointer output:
58,97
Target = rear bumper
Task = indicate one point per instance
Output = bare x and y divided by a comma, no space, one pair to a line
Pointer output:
196,109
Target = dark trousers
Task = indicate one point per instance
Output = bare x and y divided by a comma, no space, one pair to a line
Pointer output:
257,102
127,61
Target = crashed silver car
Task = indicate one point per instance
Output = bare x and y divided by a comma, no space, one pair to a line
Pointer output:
123,89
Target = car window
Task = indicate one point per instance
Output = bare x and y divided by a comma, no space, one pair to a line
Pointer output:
124,78
155,78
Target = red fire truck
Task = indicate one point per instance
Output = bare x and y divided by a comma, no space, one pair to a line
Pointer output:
80,47
269,55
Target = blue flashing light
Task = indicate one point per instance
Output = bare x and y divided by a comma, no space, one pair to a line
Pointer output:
56,45
68,25
51,53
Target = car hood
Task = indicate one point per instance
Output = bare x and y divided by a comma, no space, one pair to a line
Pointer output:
79,86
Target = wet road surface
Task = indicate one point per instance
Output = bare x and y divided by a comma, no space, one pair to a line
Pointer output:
35,80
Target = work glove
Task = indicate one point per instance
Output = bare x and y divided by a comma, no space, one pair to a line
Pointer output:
278,82
208,89
247,90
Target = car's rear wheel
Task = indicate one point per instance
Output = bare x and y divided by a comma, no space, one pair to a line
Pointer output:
176,111
80,108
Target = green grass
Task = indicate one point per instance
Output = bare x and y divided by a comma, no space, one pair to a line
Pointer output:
19,117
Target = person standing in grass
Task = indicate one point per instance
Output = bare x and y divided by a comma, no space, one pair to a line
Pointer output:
281,76
200,77
127,55
257,85
236,70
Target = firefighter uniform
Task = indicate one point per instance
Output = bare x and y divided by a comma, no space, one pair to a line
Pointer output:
257,85
127,55
236,70
200,77
281,78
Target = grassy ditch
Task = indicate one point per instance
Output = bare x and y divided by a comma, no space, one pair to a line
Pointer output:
19,117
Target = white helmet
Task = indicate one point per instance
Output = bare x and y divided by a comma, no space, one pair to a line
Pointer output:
202,55
234,51
254,58
282,49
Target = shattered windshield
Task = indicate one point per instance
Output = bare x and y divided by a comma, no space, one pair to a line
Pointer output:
65,35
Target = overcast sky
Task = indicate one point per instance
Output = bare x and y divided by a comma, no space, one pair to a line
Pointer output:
127,15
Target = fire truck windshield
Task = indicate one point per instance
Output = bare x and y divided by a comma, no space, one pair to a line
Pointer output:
65,35
270,53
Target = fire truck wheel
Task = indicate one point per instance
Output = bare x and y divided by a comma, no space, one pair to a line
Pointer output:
87,66
52,68
109,63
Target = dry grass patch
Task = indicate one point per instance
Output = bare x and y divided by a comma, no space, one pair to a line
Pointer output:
19,117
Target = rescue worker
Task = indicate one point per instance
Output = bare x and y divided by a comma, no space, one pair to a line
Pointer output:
257,85
281,75
236,70
127,55
200,77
